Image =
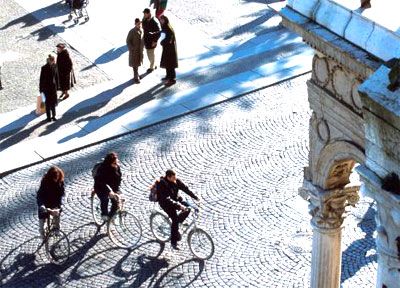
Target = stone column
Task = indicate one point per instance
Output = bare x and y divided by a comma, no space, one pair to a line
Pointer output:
387,227
327,209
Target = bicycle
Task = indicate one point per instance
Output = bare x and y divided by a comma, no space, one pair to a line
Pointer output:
56,243
200,242
123,228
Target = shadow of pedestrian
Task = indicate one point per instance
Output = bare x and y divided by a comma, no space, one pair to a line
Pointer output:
108,56
96,123
35,17
20,135
47,32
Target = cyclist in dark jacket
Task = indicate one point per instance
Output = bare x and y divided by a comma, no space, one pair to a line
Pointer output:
171,202
49,197
106,184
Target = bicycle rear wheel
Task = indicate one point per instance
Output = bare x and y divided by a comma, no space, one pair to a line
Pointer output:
201,244
57,247
96,210
160,226
124,229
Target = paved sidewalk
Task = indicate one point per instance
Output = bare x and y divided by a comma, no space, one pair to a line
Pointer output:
209,73
244,158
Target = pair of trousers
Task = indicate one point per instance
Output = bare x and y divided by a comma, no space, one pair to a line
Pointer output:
50,109
42,223
151,56
176,218
136,73
171,74
104,200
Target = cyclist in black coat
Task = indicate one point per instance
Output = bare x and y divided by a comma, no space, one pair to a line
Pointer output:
106,184
49,197
171,202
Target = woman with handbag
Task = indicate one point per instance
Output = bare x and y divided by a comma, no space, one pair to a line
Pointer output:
48,86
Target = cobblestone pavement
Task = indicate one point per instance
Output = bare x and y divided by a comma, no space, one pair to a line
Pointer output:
244,157
24,45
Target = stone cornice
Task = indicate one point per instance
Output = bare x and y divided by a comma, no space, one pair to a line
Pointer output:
331,45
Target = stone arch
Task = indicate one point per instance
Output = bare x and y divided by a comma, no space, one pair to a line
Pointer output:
335,163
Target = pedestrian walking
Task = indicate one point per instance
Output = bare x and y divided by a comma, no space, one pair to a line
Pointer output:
160,6
65,71
48,86
151,33
169,57
49,197
135,44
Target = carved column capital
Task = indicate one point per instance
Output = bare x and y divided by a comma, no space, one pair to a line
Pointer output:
327,207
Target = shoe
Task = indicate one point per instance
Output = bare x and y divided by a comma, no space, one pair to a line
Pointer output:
61,96
54,119
136,81
65,97
170,82
149,70
48,119
164,79
175,246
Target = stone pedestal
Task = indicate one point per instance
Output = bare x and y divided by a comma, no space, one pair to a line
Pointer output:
326,258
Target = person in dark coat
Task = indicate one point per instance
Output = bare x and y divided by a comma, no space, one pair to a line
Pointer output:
151,33
48,86
169,57
135,44
171,202
65,71
106,184
49,197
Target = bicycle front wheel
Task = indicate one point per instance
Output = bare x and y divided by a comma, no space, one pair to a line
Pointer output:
57,247
124,229
160,226
201,244
96,210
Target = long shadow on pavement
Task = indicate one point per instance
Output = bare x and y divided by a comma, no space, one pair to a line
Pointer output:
30,19
25,272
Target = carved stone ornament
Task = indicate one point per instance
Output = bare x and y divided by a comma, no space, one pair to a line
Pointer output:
323,131
320,69
327,208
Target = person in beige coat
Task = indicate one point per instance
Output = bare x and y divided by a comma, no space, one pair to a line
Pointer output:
135,44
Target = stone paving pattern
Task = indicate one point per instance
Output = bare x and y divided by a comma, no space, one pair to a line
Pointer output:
26,44
244,158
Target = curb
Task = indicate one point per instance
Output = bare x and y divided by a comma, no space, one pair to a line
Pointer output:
3,174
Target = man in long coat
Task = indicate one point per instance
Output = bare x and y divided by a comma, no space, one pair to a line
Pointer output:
135,44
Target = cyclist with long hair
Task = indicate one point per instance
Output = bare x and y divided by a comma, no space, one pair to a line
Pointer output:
49,197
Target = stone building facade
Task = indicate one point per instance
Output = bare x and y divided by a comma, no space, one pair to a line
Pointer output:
355,119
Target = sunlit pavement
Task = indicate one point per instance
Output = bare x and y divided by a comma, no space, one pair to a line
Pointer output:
223,54
244,158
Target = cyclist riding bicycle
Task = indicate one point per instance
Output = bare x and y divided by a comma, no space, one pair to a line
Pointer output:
106,185
169,200
49,197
